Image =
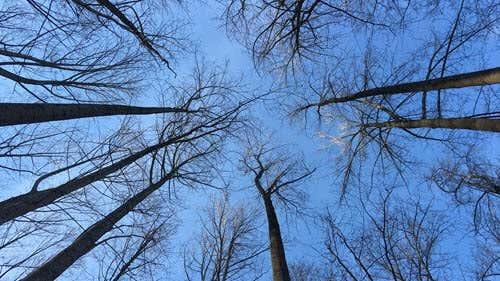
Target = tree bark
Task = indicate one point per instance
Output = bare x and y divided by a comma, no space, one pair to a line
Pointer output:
478,78
87,241
476,124
28,113
23,204
278,257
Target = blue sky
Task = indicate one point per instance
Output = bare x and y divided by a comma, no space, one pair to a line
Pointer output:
305,235
214,45
301,234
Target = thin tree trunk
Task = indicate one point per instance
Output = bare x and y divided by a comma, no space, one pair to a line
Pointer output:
476,124
130,26
28,113
125,23
278,258
478,78
140,250
87,241
23,204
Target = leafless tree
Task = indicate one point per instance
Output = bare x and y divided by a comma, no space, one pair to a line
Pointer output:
308,271
28,113
276,175
488,263
382,97
139,252
82,50
286,32
229,248
396,243
88,240
100,193
282,30
209,121
186,163
109,197
85,52
474,182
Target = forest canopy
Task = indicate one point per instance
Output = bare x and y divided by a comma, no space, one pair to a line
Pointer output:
250,140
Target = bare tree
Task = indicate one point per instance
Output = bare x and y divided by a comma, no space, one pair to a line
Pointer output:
116,14
185,163
478,78
81,50
214,117
475,182
22,204
382,97
285,32
276,175
395,244
488,263
88,240
99,193
130,263
24,113
228,245
280,31
308,271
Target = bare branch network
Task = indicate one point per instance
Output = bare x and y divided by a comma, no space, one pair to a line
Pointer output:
125,155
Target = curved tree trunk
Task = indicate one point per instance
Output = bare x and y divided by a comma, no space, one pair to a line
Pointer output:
478,78
278,258
87,241
477,124
28,113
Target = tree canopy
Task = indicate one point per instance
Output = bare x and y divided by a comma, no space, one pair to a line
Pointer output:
249,140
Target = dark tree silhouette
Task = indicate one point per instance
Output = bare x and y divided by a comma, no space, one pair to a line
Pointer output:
275,176
229,248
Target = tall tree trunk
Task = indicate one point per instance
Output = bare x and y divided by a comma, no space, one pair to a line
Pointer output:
478,78
87,241
23,204
278,258
477,124
28,113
